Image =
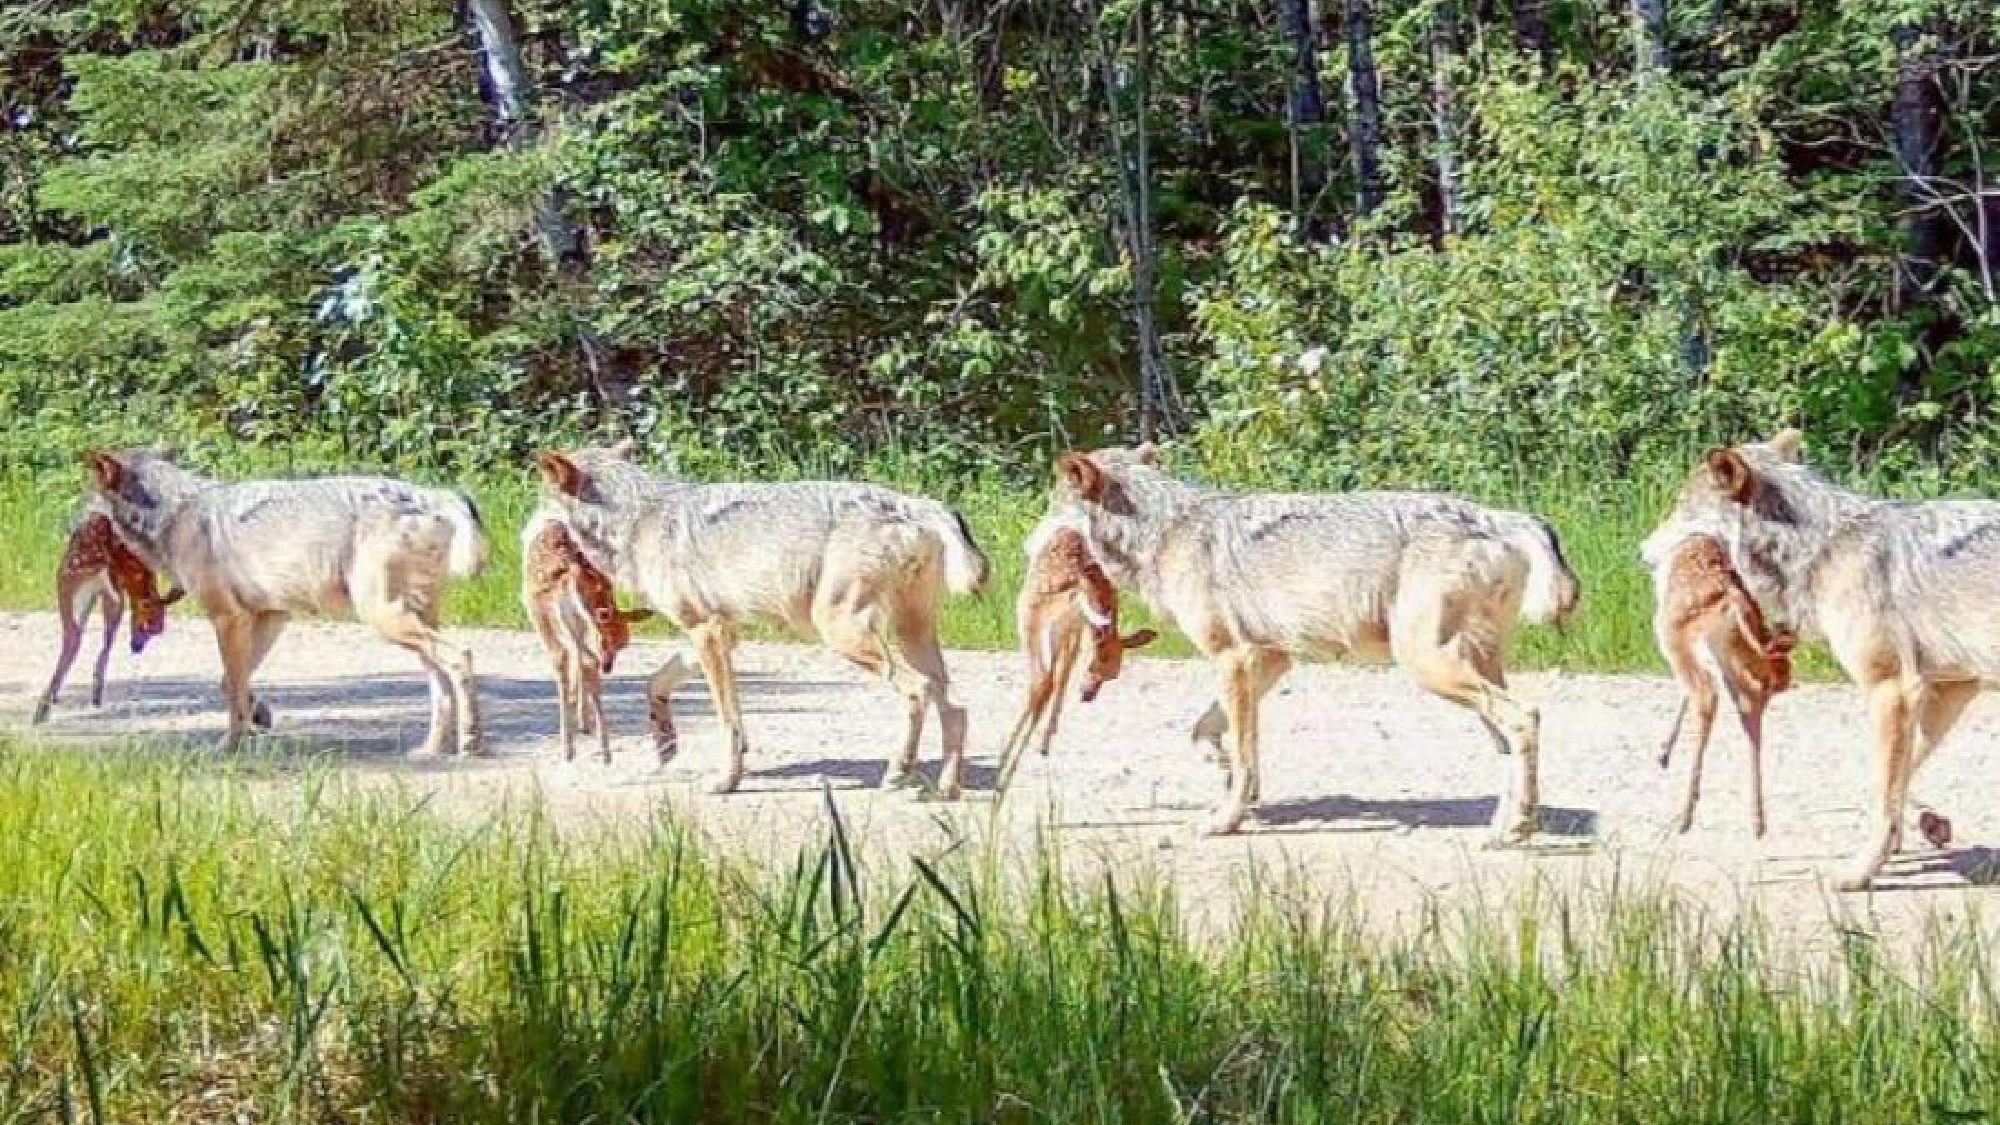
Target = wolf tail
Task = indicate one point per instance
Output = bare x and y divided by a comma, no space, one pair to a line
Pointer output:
468,535
1552,590
965,567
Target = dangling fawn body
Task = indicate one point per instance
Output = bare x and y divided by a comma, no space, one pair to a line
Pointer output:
97,568
1714,637
582,629
1064,590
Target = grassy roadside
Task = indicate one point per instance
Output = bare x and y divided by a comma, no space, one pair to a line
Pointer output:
1612,631
179,944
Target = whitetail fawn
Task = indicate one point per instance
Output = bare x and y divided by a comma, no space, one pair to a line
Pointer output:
582,629
1065,589
1714,637
99,569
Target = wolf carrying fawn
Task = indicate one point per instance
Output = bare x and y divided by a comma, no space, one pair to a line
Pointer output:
1902,591
1258,580
571,604
98,569
1064,591
863,568
252,553
1713,637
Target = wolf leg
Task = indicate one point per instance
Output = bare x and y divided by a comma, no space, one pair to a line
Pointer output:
713,641
234,636
1247,674
1208,732
1890,712
919,665
1456,657
1943,704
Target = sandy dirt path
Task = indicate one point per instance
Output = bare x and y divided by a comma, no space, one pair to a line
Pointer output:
1372,789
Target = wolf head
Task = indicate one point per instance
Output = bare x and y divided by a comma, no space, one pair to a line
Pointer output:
139,490
1746,496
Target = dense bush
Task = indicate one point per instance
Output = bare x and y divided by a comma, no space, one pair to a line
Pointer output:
835,226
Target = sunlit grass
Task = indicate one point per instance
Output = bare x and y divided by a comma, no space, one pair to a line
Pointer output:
182,940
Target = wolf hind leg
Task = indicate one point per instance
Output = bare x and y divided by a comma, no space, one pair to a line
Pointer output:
918,667
1456,656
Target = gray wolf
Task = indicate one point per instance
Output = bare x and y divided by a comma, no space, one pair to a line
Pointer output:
572,607
1064,591
252,553
1257,580
97,569
1713,636
1902,591
861,567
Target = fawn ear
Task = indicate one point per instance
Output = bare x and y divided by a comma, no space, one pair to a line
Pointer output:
559,472
105,471
623,447
1081,475
1147,453
1730,473
1787,443
634,616
172,596
1140,639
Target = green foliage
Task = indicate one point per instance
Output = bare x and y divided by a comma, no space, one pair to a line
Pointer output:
833,229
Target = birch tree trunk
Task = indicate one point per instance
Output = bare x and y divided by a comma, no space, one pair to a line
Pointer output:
1444,115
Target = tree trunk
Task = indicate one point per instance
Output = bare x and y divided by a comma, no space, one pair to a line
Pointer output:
512,98
1365,136
1158,401
1305,114
1914,118
1444,115
509,94
1649,34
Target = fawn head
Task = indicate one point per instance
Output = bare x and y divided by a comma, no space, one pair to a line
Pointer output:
1107,645
613,625
135,580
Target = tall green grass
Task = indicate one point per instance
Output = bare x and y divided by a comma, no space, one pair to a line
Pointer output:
182,943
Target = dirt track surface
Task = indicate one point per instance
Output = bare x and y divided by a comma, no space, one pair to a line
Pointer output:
1373,790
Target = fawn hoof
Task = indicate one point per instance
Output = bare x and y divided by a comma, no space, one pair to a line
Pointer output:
260,715
41,714
1936,829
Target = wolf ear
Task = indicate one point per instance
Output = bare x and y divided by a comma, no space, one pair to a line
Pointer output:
559,472
1787,443
1147,453
105,471
1140,639
1730,473
623,447
1081,474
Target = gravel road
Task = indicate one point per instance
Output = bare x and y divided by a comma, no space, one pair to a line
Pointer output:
1373,790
